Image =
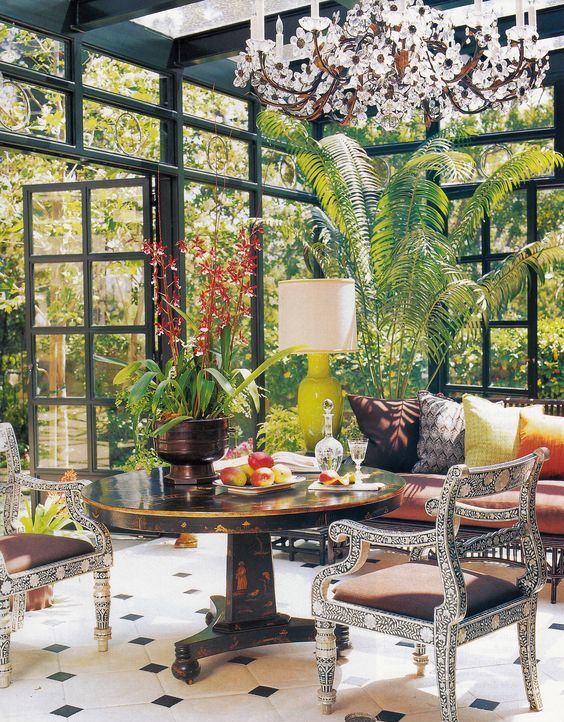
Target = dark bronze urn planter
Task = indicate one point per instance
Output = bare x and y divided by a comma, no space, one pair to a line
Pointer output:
191,447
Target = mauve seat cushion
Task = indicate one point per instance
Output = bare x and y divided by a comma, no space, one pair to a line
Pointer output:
415,589
22,552
421,487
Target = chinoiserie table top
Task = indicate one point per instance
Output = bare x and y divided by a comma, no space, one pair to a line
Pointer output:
145,502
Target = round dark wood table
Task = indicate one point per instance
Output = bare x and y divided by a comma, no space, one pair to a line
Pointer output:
247,615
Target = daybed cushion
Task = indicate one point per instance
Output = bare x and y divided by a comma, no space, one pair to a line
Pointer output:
22,552
415,589
392,430
441,437
420,487
538,430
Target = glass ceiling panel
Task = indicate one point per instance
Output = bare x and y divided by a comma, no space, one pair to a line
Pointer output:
210,14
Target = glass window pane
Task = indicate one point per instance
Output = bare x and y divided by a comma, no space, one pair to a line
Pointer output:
373,134
215,153
472,246
286,226
119,77
57,222
508,360
114,437
117,219
58,294
550,212
509,224
32,110
465,362
62,437
32,50
211,105
60,365
117,293
280,169
386,165
516,308
121,131
107,347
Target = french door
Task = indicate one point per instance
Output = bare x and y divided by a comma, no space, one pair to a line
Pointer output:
88,302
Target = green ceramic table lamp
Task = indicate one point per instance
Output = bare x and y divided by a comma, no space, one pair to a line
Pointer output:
319,315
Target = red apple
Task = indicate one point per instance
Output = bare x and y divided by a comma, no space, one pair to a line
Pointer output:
259,460
233,476
263,477
282,474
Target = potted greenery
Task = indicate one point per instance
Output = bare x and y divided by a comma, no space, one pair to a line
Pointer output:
185,403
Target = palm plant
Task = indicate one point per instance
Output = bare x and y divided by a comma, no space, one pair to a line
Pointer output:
391,237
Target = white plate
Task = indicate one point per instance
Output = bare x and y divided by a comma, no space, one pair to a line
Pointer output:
358,486
253,490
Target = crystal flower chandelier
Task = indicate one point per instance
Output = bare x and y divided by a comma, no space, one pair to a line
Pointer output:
394,57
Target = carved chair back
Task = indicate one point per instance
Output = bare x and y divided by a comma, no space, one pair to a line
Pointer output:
461,486
11,488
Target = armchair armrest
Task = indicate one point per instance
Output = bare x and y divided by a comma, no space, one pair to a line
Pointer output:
479,513
382,537
30,482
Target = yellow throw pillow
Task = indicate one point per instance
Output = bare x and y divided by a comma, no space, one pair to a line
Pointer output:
492,431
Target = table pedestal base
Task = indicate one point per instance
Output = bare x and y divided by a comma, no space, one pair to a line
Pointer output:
220,637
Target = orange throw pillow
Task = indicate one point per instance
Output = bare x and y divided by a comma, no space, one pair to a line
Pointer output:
542,430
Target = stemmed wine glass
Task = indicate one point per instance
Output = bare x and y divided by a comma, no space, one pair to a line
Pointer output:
357,450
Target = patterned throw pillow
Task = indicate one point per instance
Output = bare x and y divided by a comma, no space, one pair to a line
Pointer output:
441,434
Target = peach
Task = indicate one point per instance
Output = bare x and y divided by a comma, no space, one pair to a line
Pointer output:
263,477
259,460
329,477
282,474
233,476
249,471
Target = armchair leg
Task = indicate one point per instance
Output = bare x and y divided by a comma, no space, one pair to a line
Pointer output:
326,658
420,659
102,630
445,660
18,610
528,655
5,631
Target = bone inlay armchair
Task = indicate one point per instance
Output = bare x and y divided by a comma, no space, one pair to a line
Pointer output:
29,561
438,602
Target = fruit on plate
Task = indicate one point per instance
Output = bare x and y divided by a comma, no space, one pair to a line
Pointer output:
282,474
233,476
264,476
329,477
249,471
259,460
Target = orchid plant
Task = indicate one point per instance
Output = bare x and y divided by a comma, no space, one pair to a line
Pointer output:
200,379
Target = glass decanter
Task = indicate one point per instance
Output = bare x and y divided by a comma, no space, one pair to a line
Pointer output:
328,451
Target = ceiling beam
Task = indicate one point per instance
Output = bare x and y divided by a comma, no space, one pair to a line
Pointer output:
93,14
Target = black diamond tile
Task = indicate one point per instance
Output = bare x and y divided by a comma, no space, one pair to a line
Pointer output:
518,661
55,648
404,644
67,710
484,704
167,700
141,640
155,668
557,626
191,591
182,574
122,596
310,565
262,691
387,716
242,660
61,676
132,617
203,610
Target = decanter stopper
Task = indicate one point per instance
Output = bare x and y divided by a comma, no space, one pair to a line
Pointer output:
328,451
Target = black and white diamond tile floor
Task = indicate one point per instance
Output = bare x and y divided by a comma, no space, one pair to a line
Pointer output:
58,674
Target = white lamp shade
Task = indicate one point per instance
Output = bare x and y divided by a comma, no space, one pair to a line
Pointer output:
319,314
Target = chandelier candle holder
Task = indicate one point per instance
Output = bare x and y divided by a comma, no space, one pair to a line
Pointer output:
393,58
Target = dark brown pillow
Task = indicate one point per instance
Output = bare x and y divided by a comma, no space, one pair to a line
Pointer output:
392,429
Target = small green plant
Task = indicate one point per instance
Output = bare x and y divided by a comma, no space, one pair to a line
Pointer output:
52,517
281,431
